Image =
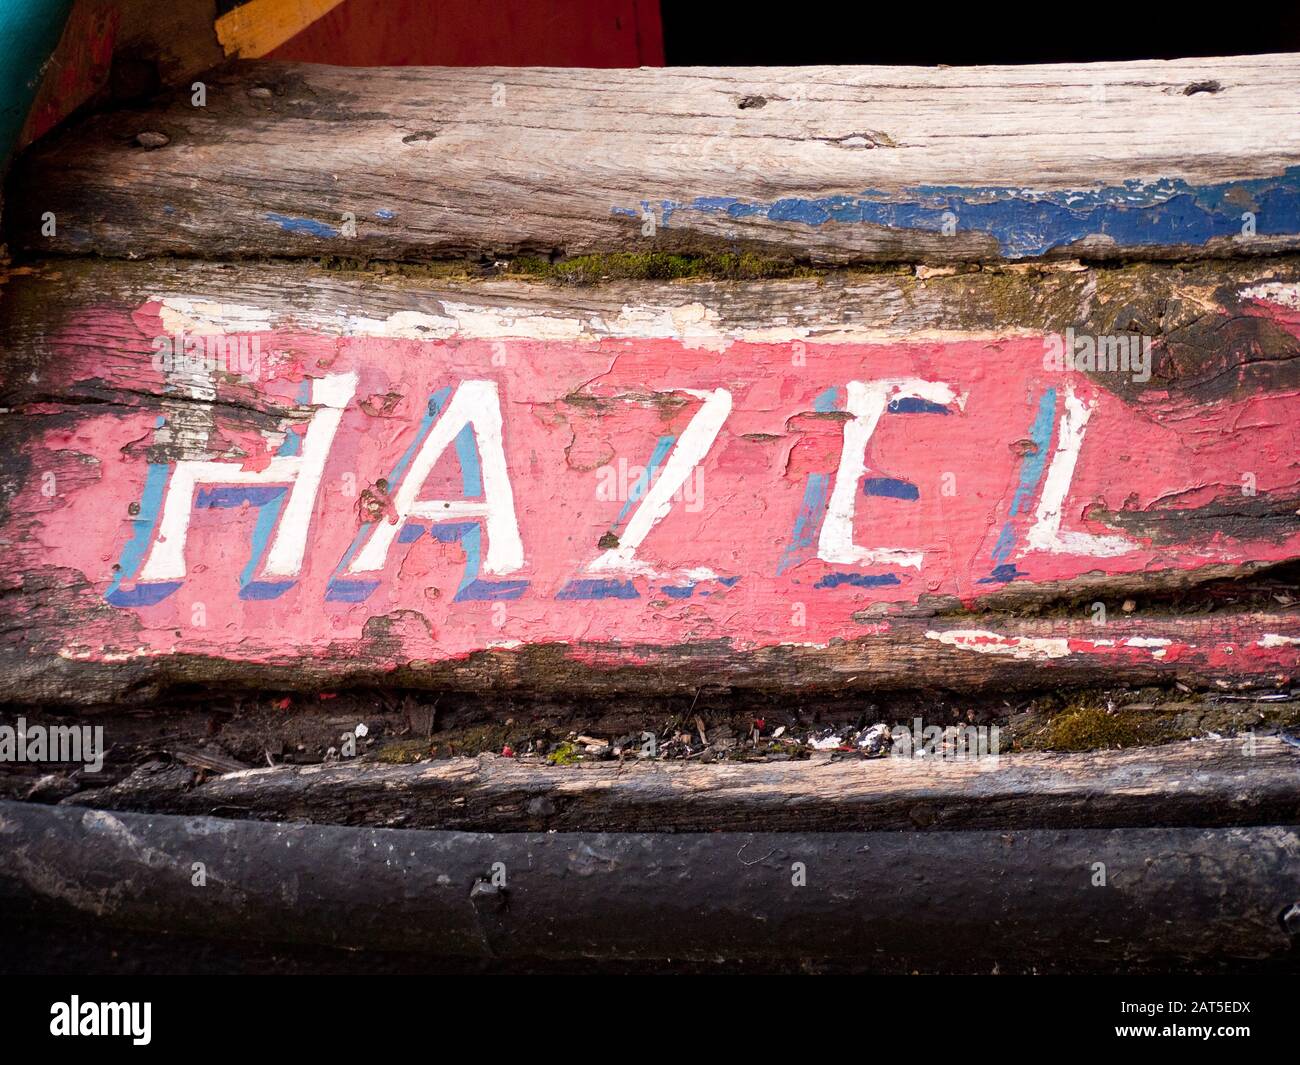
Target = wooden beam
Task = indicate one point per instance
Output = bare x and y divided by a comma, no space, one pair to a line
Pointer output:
1184,158
998,509
1239,781
1054,900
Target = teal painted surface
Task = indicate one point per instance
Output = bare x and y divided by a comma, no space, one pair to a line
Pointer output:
29,32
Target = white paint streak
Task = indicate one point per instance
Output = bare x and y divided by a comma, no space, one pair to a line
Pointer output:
1033,648
190,314
694,324
1273,639
1283,293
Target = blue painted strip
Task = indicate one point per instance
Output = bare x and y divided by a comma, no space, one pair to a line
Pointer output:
302,225
471,541
341,590
808,522
226,496
155,487
1032,465
598,589
678,592
890,488
1028,222
265,589
142,594
857,580
471,473
411,532
486,591
267,516
452,532
1006,541
657,458
915,405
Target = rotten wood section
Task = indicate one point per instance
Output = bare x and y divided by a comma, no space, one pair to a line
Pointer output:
831,164
1238,781
285,476
1191,898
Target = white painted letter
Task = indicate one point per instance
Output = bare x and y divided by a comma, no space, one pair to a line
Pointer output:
687,453
475,403
1046,535
867,401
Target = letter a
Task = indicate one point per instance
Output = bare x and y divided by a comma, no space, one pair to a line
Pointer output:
474,404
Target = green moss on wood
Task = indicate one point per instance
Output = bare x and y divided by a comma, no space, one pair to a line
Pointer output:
657,266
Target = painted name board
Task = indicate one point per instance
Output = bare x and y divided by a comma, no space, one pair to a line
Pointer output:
484,484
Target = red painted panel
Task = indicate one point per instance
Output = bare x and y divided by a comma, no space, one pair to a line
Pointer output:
950,468
579,33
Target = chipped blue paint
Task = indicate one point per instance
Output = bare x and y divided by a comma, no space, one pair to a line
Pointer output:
1002,574
598,588
915,405
678,591
132,556
347,590
808,522
385,214
657,457
1032,464
302,225
828,402
890,488
857,580
1027,222
226,496
1031,472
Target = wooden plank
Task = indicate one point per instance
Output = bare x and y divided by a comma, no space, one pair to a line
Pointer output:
883,901
1183,158
1238,781
878,481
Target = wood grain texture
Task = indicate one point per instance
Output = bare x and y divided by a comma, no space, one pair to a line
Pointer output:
1205,782
823,163
89,413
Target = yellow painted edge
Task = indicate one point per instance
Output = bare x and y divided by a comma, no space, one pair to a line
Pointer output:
260,26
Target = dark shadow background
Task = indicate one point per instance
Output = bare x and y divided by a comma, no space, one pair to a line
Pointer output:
699,33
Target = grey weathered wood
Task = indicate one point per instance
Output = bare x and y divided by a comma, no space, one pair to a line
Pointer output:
1238,781
450,162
